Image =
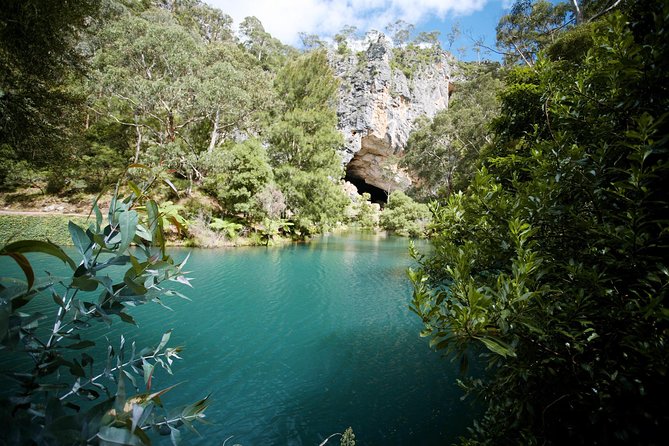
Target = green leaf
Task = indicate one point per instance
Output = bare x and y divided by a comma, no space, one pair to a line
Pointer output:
98,216
114,436
148,374
81,241
163,342
24,246
80,345
128,226
135,189
175,436
4,323
85,283
24,264
497,346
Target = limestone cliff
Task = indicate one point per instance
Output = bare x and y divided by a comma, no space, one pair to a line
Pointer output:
378,106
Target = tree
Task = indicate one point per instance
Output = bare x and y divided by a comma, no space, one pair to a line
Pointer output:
311,41
239,173
269,51
179,95
146,70
441,152
399,32
554,272
234,92
303,140
530,26
47,399
39,60
212,24
341,38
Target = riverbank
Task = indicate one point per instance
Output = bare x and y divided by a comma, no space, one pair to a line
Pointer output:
29,225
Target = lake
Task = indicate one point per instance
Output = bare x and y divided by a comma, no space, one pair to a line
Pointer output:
295,343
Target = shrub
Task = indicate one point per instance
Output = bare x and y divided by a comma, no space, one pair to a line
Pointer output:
404,216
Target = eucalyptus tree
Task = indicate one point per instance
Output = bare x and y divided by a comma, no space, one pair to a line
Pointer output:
235,92
39,61
400,32
146,77
269,51
441,152
530,26
181,95
211,24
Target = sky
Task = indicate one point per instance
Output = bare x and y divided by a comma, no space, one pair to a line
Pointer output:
285,19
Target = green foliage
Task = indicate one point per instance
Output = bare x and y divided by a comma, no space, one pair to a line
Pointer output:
65,393
271,229
404,216
314,200
303,142
347,438
15,172
178,94
412,57
229,228
530,26
37,227
269,51
366,216
39,59
441,152
341,38
553,269
239,172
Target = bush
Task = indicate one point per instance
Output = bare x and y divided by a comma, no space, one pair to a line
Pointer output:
404,216
552,268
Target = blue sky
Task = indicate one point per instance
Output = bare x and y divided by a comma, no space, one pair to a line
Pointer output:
284,19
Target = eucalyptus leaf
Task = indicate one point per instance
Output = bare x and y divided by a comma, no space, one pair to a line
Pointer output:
127,226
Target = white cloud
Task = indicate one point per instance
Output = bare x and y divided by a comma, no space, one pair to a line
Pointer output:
284,19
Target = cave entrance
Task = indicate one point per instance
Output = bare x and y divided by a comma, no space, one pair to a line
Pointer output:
377,194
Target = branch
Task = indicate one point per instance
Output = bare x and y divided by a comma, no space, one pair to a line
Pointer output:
529,64
328,439
601,13
118,367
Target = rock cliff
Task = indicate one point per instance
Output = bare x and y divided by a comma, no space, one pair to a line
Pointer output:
378,106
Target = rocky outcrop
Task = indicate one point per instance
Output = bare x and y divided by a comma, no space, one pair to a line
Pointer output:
378,106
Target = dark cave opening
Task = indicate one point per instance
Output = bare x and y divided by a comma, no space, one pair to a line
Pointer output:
377,194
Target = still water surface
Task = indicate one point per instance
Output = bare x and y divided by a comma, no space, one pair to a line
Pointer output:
295,343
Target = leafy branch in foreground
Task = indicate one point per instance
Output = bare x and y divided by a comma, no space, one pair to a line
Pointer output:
62,388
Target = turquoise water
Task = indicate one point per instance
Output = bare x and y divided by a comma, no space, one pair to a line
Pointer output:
295,343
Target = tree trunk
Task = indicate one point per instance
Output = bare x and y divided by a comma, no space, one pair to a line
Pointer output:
578,14
171,131
138,144
214,133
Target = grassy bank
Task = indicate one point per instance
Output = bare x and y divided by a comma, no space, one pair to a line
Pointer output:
37,227
54,227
